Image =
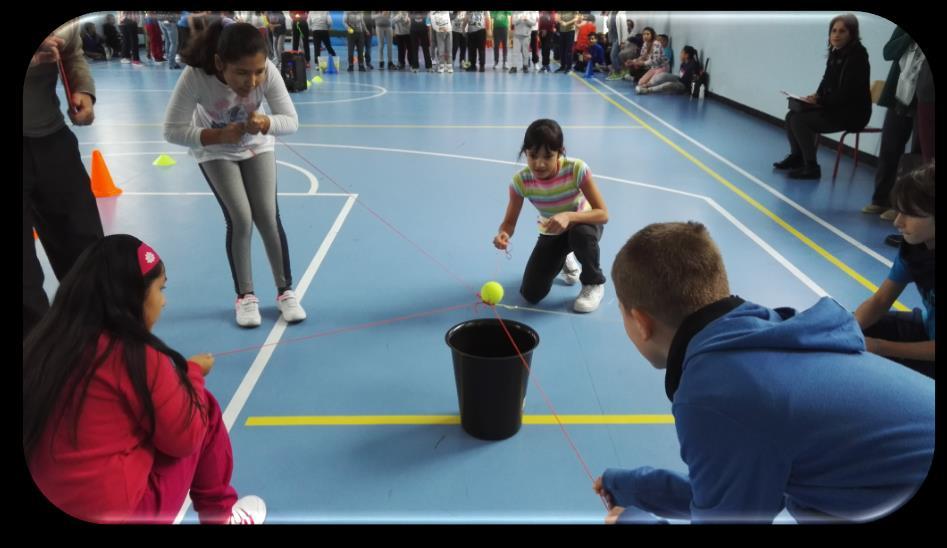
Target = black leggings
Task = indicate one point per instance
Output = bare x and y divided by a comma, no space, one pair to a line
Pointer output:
546,42
130,44
419,38
549,256
566,40
321,37
58,201
459,43
403,42
903,327
301,29
477,43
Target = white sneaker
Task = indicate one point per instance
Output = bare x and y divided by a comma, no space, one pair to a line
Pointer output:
249,510
571,270
450,69
441,68
126,61
589,298
248,311
289,307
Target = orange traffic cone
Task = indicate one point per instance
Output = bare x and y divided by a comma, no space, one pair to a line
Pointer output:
102,185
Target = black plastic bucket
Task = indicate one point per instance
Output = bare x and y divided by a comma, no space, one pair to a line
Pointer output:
491,379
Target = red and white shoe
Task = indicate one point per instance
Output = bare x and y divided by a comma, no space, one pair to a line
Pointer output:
249,510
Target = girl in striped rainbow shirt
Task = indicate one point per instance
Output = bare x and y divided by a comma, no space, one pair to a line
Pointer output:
572,217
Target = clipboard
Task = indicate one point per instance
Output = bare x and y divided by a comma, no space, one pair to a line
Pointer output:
792,96
65,83
799,104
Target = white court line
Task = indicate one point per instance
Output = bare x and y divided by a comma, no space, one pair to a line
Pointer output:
320,194
808,282
253,375
838,232
350,100
313,182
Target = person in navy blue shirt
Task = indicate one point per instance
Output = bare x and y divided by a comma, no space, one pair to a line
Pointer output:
774,409
907,337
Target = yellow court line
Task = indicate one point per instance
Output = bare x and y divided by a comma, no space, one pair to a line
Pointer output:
454,126
405,420
775,218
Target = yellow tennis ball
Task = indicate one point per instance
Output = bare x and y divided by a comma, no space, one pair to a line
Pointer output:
491,292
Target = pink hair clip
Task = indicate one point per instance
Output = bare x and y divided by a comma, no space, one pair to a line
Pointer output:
147,258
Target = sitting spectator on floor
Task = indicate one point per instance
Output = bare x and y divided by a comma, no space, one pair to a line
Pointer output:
93,45
907,337
652,56
675,83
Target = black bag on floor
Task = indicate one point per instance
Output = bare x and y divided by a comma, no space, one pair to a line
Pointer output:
293,68
701,80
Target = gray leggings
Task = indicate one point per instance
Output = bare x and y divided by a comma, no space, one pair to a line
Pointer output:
521,45
246,191
667,83
384,37
443,41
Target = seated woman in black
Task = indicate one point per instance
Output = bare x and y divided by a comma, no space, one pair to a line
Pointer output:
842,102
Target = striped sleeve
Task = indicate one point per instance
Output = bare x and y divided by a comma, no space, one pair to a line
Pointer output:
517,185
582,174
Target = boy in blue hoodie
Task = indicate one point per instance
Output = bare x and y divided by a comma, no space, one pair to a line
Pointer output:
773,409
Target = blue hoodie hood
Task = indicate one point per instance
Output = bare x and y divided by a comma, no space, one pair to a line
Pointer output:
826,327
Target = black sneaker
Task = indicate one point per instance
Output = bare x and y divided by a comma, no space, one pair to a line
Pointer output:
813,172
361,68
350,69
894,240
483,69
512,70
789,162
391,66
370,66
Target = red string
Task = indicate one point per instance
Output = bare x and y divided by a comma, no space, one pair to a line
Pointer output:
383,220
348,329
465,284
539,387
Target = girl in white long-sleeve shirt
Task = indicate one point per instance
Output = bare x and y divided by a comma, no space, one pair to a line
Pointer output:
216,110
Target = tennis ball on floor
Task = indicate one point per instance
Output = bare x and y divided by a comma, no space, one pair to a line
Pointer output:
491,293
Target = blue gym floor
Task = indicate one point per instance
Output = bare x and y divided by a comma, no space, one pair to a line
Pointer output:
432,155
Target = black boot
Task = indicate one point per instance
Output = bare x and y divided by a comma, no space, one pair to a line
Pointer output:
808,171
789,162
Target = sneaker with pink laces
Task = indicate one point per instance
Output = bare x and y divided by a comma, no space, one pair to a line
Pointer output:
248,311
249,510
289,307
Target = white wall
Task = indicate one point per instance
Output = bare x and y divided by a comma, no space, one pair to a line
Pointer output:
753,55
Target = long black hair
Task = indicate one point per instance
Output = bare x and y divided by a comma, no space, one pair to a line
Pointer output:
232,43
103,294
692,53
543,133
